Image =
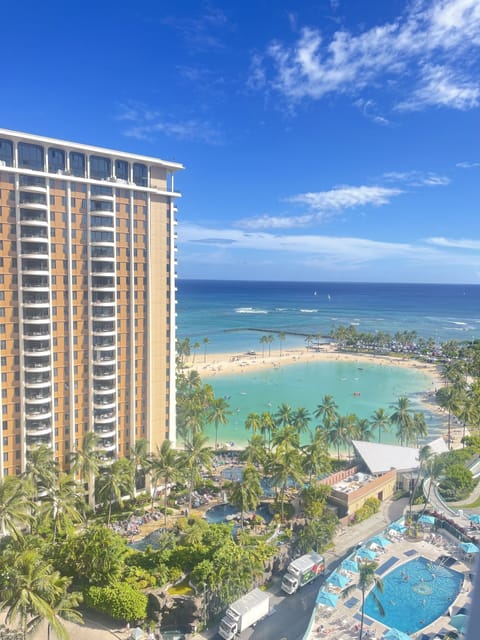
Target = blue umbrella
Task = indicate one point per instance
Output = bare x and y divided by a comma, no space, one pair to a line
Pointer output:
350,565
426,519
459,622
329,599
469,547
366,553
338,580
474,517
380,541
395,634
396,526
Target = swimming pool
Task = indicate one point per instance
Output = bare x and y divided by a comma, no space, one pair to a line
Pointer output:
219,513
415,594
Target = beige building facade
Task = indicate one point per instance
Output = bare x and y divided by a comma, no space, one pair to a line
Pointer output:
87,298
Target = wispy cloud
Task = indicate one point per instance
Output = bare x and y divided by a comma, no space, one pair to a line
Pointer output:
274,222
462,243
203,32
339,252
417,178
428,55
467,165
147,124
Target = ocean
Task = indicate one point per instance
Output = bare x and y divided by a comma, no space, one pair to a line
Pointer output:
232,316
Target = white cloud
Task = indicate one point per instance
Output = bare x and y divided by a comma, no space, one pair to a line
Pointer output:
467,165
462,243
345,197
426,52
274,222
440,86
417,178
147,124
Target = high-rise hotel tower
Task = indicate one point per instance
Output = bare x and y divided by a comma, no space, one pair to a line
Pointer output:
87,298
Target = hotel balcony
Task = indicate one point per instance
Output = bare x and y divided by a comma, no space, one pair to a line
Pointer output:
99,268
33,413
104,314
37,397
31,234
105,432
33,266
102,283
99,403
106,445
38,431
33,183
104,416
103,300
37,379
35,283
31,220
36,349
34,250
37,441
33,315
37,302
106,374
36,333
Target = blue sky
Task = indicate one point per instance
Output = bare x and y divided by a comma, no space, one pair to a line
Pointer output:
322,140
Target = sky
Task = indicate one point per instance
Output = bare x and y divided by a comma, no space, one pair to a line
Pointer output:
323,140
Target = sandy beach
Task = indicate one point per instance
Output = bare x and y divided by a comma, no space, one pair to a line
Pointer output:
230,363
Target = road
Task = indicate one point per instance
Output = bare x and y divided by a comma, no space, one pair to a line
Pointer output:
291,614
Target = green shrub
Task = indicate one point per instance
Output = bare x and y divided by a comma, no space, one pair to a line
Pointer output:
371,506
120,601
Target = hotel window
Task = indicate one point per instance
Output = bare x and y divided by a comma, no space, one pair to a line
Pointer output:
140,174
56,160
30,156
77,166
121,169
100,168
6,153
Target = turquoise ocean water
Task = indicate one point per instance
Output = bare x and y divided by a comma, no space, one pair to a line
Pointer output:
233,316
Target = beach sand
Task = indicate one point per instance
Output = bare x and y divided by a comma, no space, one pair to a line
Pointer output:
213,364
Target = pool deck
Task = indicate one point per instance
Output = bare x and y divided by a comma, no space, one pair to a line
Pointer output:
340,622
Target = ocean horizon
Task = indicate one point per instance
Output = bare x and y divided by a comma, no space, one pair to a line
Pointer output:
232,316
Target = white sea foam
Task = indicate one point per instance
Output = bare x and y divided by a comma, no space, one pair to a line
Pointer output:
250,310
308,310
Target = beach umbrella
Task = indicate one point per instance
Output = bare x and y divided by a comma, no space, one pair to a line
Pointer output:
396,526
474,517
469,547
380,541
327,598
367,554
395,634
425,519
350,565
338,580
459,622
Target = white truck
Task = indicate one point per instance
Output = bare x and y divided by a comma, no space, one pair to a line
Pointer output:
302,571
244,613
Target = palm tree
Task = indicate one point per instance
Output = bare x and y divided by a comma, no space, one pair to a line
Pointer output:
197,456
165,467
420,428
218,414
315,458
270,339
253,422
141,463
283,415
30,591
267,426
380,420
337,434
64,605
286,466
63,505
85,463
195,347
364,430
15,506
263,342
403,420
301,419
206,342
41,469
423,456
281,338
351,430
448,398
327,411
255,452
366,578
114,483
245,495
